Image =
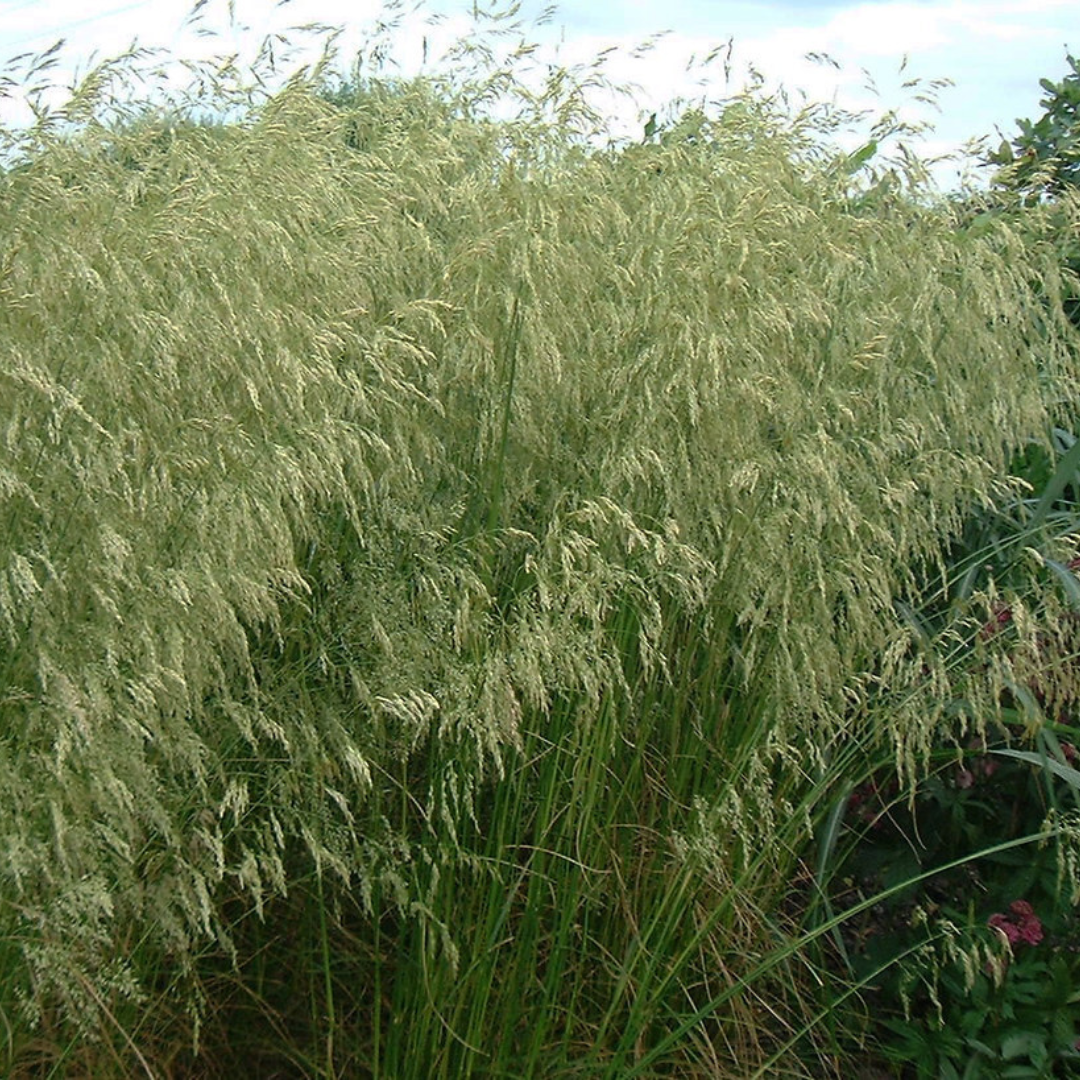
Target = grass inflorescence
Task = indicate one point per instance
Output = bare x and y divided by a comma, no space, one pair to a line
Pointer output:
448,571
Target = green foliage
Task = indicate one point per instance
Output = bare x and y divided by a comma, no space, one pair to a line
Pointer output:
970,954
1042,164
1045,156
457,563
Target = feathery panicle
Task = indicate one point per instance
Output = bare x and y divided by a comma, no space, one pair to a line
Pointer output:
371,468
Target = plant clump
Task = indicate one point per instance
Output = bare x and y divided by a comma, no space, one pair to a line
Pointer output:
465,556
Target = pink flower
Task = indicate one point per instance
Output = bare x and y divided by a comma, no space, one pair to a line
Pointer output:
868,802
1000,923
1020,925
1001,617
1031,931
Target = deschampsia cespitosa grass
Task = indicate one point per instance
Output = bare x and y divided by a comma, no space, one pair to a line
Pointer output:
445,563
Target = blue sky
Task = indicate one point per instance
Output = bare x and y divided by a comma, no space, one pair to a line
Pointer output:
995,51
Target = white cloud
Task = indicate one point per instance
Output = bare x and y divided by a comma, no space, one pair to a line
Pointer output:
868,30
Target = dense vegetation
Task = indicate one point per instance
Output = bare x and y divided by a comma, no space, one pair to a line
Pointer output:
454,575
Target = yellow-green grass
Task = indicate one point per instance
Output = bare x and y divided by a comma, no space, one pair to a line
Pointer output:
448,571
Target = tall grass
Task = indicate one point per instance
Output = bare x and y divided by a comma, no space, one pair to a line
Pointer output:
445,568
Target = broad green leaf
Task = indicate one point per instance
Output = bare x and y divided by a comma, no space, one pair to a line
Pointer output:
1066,772
857,159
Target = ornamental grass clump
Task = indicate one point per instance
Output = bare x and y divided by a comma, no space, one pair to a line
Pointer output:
443,564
